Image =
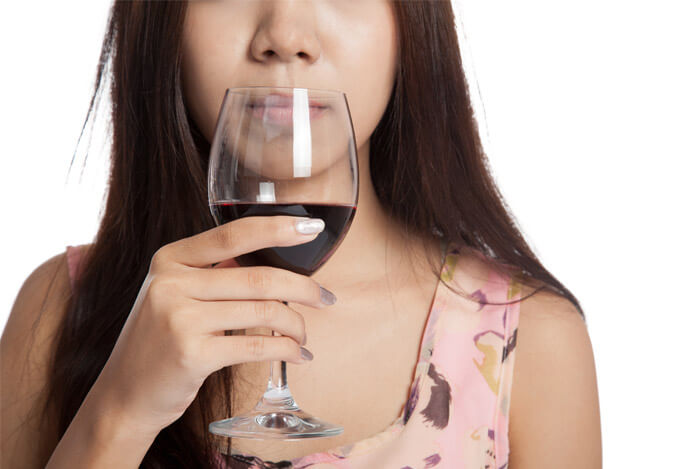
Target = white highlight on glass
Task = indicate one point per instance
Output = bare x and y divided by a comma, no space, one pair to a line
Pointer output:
266,192
301,134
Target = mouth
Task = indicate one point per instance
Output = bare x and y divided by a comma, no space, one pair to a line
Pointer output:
280,111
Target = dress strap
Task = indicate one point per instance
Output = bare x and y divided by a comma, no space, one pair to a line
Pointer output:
511,318
474,353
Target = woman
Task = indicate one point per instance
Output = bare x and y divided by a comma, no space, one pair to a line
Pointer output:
432,287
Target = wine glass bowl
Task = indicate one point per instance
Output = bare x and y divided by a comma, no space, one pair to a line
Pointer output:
284,151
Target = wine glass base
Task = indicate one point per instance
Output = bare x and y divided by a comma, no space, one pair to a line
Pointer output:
282,424
275,416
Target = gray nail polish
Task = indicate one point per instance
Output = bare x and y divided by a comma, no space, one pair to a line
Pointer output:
305,354
327,298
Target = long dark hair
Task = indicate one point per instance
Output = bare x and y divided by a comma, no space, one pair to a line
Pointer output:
427,166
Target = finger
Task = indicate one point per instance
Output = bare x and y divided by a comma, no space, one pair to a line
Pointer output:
215,316
238,237
221,351
250,283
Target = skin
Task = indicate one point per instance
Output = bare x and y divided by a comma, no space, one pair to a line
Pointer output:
384,287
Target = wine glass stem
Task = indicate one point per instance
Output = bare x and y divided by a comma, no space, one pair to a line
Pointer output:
278,373
277,393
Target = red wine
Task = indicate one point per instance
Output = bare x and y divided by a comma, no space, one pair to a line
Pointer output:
303,258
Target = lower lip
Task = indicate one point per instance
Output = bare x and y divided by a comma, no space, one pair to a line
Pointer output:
283,115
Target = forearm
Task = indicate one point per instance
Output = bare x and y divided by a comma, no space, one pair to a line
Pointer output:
100,437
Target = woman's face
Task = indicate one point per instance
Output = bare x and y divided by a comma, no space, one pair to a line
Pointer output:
346,45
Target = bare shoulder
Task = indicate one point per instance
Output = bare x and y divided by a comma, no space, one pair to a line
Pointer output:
25,350
47,286
554,413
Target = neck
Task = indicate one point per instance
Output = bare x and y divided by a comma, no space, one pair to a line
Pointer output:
375,245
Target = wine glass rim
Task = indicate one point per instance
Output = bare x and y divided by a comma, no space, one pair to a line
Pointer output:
242,89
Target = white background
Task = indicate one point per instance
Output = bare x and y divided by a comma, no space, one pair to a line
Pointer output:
590,115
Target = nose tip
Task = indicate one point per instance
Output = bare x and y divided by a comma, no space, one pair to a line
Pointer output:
287,35
276,48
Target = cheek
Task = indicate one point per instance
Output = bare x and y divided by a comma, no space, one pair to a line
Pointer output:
207,65
368,75
201,100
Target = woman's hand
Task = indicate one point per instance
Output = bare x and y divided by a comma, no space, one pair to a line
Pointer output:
174,335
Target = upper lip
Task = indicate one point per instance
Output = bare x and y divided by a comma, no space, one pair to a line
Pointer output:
280,100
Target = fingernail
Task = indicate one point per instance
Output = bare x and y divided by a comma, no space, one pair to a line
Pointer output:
327,298
310,225
305,354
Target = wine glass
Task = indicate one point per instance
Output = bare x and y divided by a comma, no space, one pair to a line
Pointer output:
284,151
